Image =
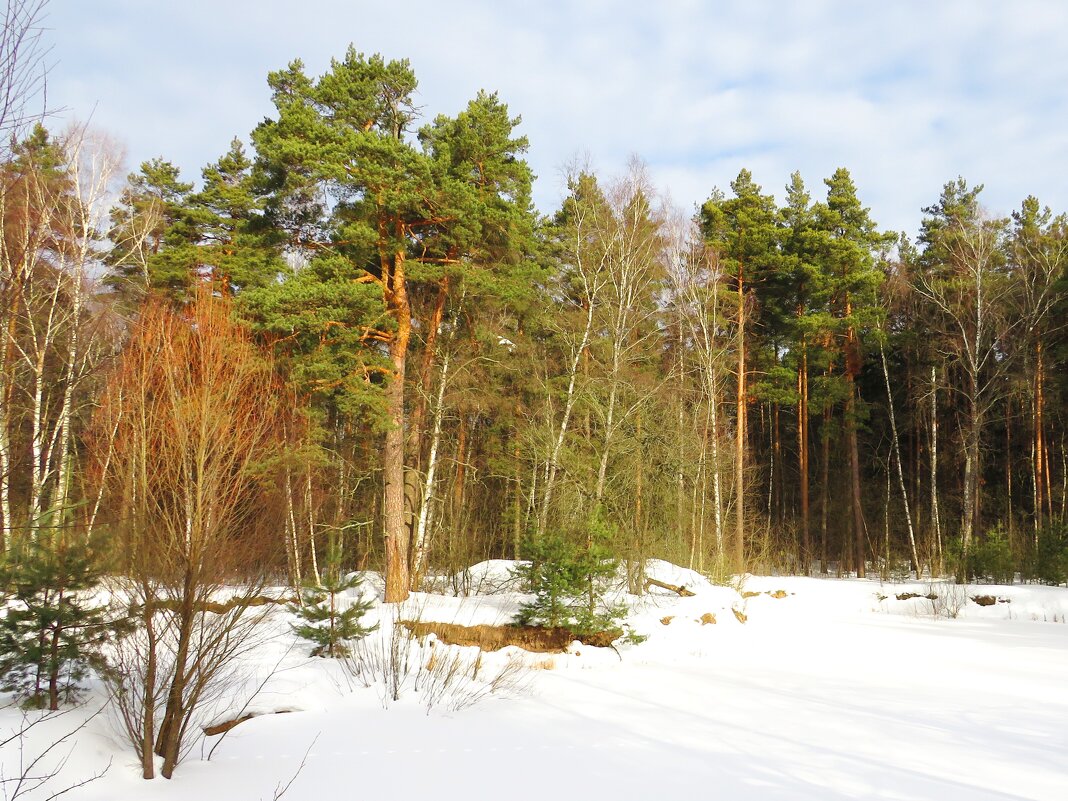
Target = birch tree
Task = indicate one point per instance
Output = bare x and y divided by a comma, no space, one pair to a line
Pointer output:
696,276
967,286
53,202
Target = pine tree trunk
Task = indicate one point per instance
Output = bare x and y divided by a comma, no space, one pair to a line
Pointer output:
852,369
859,528
740,433
393,506
780,474
802,455
825,441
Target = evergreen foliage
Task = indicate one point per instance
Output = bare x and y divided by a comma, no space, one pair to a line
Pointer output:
331,611
569,581
152,232
54,629
1047,561
988,559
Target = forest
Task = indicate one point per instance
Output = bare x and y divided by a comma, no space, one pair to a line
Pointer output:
353,343
448,375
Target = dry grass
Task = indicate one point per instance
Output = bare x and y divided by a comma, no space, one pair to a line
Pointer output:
538,639
398,662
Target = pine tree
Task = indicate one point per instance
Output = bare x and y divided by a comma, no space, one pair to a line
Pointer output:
328,618
742,231
346,184
53,632
235,248
848,242
802,288
152,232
569,581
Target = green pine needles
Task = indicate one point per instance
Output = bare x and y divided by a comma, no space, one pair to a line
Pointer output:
569,581
331,612
54,629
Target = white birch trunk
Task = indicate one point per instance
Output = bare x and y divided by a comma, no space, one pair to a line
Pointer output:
900,469
422,527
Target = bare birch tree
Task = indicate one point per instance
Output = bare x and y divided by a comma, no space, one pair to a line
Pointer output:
695,279
968,288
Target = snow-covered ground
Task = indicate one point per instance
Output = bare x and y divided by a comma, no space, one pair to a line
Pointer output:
835,690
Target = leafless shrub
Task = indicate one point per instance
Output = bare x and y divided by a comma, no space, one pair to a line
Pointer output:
186,444
205,651
947,599
36,769
384,660
453,680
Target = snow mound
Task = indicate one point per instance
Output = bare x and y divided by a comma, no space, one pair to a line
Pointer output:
677,576
489,577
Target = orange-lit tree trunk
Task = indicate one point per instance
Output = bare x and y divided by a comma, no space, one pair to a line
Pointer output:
739,441
394,522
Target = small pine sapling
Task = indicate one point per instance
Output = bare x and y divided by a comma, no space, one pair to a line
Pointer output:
569,582
53,632
327,618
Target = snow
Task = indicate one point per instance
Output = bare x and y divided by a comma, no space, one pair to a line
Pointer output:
835,690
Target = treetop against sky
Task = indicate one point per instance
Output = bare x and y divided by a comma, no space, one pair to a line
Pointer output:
907,94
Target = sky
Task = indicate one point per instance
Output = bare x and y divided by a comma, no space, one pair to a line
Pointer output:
906,95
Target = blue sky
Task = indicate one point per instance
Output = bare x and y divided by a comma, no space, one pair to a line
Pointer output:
907,95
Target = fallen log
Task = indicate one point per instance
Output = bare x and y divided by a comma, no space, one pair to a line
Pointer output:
681,590
226,725
217,607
